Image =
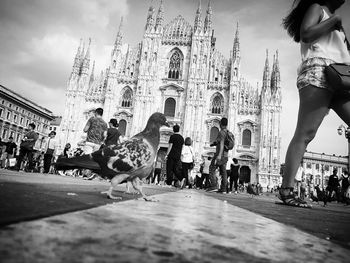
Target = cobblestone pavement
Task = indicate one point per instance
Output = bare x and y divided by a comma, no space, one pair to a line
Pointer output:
184,226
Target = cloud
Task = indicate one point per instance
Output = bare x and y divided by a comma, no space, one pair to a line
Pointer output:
40,38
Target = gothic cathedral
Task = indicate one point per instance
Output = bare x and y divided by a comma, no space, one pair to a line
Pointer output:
176,69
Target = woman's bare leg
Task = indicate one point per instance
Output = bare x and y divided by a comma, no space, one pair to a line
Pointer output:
341,106
314,105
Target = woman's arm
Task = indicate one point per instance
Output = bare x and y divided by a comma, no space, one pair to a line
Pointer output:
311,29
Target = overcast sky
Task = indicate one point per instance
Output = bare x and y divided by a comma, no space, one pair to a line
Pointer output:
39,39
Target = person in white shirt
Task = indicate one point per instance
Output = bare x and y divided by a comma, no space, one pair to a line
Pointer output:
187,160
51,146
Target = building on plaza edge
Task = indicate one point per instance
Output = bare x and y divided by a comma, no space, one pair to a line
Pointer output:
16,112
176,69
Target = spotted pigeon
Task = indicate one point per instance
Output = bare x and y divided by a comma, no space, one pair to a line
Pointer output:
130,161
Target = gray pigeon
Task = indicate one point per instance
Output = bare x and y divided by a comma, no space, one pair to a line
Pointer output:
130,161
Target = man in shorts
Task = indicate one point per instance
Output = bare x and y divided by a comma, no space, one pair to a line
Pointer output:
96,129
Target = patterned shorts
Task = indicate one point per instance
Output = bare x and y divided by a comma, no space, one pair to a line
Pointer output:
311,72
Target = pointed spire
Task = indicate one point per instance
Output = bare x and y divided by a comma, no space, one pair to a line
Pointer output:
266,74
275,75
77,59
236,45
119,38
86,61
198,19
208,18
92,77
160,15
150,18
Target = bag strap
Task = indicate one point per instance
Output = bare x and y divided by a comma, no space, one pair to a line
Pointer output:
191,153
346,39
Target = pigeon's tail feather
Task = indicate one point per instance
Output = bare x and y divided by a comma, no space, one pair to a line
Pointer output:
78,162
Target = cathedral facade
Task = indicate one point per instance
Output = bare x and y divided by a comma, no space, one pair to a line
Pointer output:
176,69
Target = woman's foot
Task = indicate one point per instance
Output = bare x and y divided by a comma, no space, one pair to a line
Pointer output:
288,197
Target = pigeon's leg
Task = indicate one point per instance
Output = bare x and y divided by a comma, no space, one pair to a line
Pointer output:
114,183
137,186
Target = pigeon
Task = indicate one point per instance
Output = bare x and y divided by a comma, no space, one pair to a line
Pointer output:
130,161
251,189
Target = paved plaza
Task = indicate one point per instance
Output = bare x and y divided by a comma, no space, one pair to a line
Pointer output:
182,226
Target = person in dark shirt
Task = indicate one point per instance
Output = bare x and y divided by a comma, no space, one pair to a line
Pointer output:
26,148
173,156
112,134
345,183
333,185
234,175
9,152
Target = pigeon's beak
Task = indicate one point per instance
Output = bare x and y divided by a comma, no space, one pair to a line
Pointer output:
166,124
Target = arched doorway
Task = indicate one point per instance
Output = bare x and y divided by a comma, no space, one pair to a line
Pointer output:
244,174
122,127
169,107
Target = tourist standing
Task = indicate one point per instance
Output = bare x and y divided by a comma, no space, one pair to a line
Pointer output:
51,146
173,156
234,175
112,134
9,152
187,160
219,160
26,148
95,129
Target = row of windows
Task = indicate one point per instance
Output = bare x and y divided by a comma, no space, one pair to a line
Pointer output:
18,119
20,110
318,166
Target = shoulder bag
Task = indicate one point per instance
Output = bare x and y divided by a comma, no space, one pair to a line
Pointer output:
338,74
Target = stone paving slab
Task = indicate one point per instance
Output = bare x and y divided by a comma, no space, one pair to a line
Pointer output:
184,226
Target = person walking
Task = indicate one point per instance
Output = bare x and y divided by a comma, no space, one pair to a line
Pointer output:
314,25
173,156
9,152
219,160
95,129
26,148
112,134
345,183
50,150
234,175
333,186
187,160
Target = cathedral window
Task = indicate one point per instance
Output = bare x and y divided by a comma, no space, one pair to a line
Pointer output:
247,138
175,65
169,107
217,75
127,98
217,105
214,131
122,127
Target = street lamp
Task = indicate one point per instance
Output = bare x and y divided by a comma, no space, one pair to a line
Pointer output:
346,131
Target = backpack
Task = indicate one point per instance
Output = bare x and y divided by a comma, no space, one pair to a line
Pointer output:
229,141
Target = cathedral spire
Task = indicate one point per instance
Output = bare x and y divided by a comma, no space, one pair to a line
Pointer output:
266,74
119,38
198,19
86,61
275,75
77,59
92,77
236,45
160,16
208,18
150,17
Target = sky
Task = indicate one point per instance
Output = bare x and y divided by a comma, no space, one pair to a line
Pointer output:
39,39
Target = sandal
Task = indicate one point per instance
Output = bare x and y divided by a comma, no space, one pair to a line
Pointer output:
291,199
